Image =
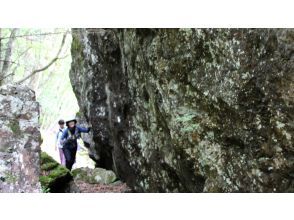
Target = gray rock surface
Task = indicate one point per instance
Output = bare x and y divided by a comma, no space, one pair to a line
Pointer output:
189,110
94,176
20,140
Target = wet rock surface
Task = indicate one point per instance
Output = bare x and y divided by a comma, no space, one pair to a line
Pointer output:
20,140
189,110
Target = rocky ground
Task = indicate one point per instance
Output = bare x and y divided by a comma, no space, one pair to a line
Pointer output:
57,179
87,180
85,187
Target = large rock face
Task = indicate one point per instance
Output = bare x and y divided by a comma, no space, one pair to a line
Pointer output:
189,110
19,140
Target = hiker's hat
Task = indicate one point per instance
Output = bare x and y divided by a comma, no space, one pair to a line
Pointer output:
70,120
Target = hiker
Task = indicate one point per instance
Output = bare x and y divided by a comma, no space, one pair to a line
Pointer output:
69,141
58,143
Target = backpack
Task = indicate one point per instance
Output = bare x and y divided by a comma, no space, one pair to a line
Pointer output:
72,139
74,136
60,130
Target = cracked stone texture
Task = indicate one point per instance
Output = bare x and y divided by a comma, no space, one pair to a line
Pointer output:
189,110
20,140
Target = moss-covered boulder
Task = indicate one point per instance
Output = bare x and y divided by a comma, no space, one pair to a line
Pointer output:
97,175
54,177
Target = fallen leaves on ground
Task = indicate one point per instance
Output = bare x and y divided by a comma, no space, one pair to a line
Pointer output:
101,188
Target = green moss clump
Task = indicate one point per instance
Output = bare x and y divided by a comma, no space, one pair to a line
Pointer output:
59,171
78,114
49,166
45,158
76,45
81,175
14,126
77,49
77,171
10,178
54,176
188,122
45,181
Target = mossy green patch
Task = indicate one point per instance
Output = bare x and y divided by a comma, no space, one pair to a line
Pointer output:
59,172
76,44
77,47
45,158
79,114
81,174
45,181
49,166
15,128
188,122
53,174
10,178
93,176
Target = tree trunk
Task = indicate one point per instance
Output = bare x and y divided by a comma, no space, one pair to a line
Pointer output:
0,52
7,59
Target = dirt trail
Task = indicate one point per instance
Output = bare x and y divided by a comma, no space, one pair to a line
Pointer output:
101,188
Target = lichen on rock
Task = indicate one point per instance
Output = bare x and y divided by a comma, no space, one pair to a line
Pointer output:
189,110
20,140
94,176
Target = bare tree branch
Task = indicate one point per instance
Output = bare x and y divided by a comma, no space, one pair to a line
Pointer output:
23,53
41,34
48,65
4,77
89,31
18,57
9,61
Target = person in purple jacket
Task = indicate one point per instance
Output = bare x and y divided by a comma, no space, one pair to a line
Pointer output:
58,144
69,141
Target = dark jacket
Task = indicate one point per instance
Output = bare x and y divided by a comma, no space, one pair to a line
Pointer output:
78,131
